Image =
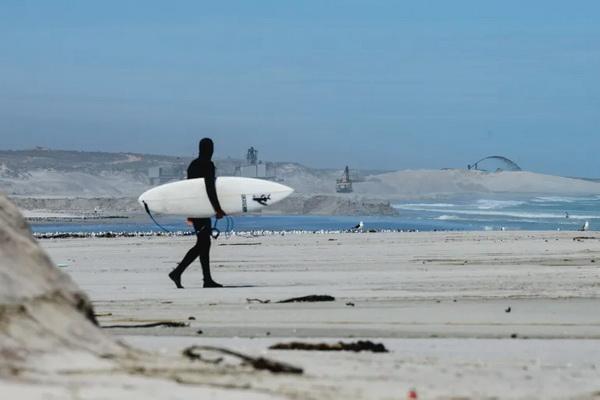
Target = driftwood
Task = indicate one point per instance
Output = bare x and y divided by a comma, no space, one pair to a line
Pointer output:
258,301
258,363
305,299
308,299
108,314
168,324
240,244
582,238
340,346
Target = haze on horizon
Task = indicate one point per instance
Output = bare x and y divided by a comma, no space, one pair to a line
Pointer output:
373,84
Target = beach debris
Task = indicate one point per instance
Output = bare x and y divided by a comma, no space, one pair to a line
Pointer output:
168,324
240,244
199,332
350,304
258,363
197,356
514,336
258,301
308,299
412,395
582,238
357,347
192,318
508,310
108,314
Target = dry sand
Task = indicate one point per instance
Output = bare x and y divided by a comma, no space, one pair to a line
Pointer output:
438,301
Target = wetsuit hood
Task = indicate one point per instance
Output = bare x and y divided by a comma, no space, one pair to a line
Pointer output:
206,149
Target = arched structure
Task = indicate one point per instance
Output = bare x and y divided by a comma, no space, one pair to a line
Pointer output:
502,164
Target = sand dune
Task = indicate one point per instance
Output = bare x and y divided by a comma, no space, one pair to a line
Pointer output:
422,183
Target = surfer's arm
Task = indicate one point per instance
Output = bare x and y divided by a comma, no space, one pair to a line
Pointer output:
211,190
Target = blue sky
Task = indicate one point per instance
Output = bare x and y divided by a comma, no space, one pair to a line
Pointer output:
374,84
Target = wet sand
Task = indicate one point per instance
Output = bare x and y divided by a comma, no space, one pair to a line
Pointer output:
438,301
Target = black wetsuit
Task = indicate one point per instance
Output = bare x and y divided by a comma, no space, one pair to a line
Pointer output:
202,167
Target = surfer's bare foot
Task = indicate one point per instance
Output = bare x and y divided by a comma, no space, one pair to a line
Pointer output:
176,279
212,284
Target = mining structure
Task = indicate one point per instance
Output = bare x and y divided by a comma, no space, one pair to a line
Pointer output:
254,168
344,184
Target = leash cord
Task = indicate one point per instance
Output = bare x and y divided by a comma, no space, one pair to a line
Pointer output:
214,232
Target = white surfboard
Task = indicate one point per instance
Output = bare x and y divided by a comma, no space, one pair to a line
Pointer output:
236,195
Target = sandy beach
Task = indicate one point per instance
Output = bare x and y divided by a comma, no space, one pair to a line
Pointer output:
464,315
407,195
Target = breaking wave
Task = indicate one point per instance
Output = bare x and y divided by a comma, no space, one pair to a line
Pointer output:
448,218
497,204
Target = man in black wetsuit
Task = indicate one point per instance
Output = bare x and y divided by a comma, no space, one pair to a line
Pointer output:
201,167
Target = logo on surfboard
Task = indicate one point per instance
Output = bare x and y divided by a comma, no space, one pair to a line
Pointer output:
244,204
262,199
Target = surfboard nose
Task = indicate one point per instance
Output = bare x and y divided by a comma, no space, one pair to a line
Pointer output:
284,189
279,191
280,188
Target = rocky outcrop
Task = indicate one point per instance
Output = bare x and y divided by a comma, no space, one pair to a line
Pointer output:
41,310
332,205
80,205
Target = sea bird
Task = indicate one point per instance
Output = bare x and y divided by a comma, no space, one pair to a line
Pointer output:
359,227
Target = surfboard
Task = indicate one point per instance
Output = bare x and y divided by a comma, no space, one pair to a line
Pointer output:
236,195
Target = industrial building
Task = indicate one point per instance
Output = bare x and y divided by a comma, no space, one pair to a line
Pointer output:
254,168
344,184
160,175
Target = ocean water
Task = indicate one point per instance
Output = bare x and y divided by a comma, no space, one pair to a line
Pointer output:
529,213
462,214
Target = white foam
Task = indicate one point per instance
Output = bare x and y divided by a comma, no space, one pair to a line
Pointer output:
563,199
510,214
432,205
448,218
485,204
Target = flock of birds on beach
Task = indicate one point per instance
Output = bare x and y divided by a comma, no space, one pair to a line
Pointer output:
358,228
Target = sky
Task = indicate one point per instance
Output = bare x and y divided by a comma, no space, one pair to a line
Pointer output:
372,84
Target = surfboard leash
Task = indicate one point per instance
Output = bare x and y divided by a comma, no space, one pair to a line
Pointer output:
214,232
154,220
228,227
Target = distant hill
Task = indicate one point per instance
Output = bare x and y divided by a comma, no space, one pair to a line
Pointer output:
24,161
62,173
408,184
44,173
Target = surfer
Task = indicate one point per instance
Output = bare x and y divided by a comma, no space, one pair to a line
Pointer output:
201,167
